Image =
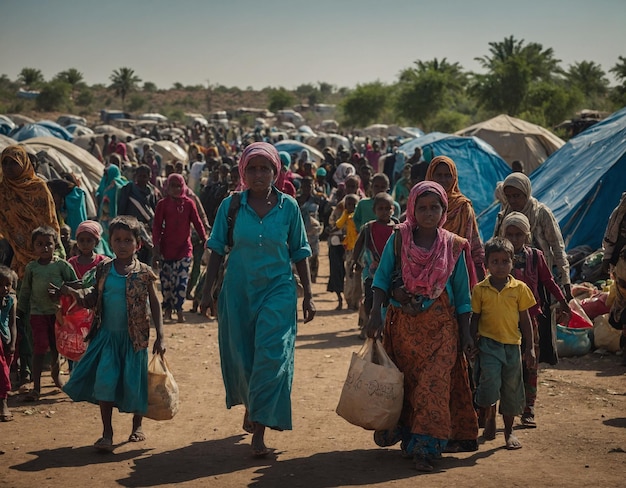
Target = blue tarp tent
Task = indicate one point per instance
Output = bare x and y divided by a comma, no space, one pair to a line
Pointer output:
29,131
479,166
57,130
581,183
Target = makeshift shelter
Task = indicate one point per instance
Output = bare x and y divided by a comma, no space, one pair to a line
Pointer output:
56,129
20,119
168,150
6,125
383,130
6,141
581,183
290,146
86,167
479,166
515,139
30,131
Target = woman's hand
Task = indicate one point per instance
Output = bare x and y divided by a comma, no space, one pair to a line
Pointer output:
401,295
468,346
374,326
159,346
308,309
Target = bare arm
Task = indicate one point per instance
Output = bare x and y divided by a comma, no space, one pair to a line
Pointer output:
467,341
358,250
308,307
215,261
374,327
155,309
527,335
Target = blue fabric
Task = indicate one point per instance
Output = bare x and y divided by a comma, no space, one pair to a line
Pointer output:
28,131
257,307
457,286
6,304
111,370
76,208
478,164
581,183
56,130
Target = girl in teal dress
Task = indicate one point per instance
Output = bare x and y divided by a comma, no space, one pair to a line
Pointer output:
114,370
257,303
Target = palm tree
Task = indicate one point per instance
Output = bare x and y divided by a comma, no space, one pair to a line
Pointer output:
30,77
589,77
124,81
72,77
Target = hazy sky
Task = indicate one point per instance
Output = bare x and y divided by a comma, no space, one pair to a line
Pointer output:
263,43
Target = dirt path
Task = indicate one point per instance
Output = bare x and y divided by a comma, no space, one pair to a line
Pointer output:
581,439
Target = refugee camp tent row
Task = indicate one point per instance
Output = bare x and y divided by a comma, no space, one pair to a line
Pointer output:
581,183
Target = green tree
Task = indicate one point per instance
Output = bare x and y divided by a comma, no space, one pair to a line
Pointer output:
512,66
589,78
85,97
136,102
124,81
365,104
72,77
279,99
427,88
178,86
150,87
618,94
325,88
31,77
54,96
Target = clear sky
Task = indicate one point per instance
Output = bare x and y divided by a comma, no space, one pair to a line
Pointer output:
261,43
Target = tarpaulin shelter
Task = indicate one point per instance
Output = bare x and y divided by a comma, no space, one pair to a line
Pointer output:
581,183
479,166
515,139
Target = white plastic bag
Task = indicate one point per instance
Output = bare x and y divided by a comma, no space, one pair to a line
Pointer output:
373,393
163,398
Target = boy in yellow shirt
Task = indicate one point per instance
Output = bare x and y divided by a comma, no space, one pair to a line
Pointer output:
500,306
353,290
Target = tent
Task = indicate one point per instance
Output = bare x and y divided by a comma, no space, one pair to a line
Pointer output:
86,167
581,183
29,131
6,141
56,129
6,125
516,139
383,130
168,150
290,146
479,166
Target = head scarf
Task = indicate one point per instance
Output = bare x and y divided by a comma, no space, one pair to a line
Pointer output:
108,189
320,172
285,158
91,227
342,172
180,179
120,149
459,214
516,219
426,271
521,182
259,149
25,204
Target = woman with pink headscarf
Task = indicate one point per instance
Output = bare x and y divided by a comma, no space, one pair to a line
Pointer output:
256,310
424,272
171,235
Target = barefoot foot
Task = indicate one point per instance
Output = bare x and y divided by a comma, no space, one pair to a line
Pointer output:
513,442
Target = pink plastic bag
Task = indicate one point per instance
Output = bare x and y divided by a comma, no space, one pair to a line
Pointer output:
72,326
595,305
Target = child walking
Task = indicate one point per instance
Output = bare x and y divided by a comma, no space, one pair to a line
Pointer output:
370,244
8,336
352,290
530,266
114,370
88,236
171,234
500,306
37,298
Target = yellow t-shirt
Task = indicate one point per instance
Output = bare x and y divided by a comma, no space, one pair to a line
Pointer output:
499,310
346,220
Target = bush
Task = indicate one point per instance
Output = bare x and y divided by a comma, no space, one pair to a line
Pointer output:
84,98
54,96
136,103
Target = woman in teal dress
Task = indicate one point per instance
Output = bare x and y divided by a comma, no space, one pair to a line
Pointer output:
257,304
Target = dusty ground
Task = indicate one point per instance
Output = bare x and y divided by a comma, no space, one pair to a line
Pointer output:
581,439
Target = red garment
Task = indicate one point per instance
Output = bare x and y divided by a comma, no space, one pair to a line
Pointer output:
171,228
530,266
81,269
380,235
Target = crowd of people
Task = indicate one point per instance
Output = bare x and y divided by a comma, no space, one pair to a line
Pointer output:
239,231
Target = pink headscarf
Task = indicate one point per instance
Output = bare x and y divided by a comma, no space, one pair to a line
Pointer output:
120,149
179,178
262,149
426,271
91,227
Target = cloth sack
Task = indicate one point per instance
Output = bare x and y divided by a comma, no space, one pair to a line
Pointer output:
71,327
373,392
163,397
605,336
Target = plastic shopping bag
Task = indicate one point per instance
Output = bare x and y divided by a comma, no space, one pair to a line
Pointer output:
71,327
163,398
373,392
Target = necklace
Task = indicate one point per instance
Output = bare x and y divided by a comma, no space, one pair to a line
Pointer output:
268,197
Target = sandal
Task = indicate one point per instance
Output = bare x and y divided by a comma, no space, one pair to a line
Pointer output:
386,438
137,436
423,464
7,417
528,421
32,396
103,444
